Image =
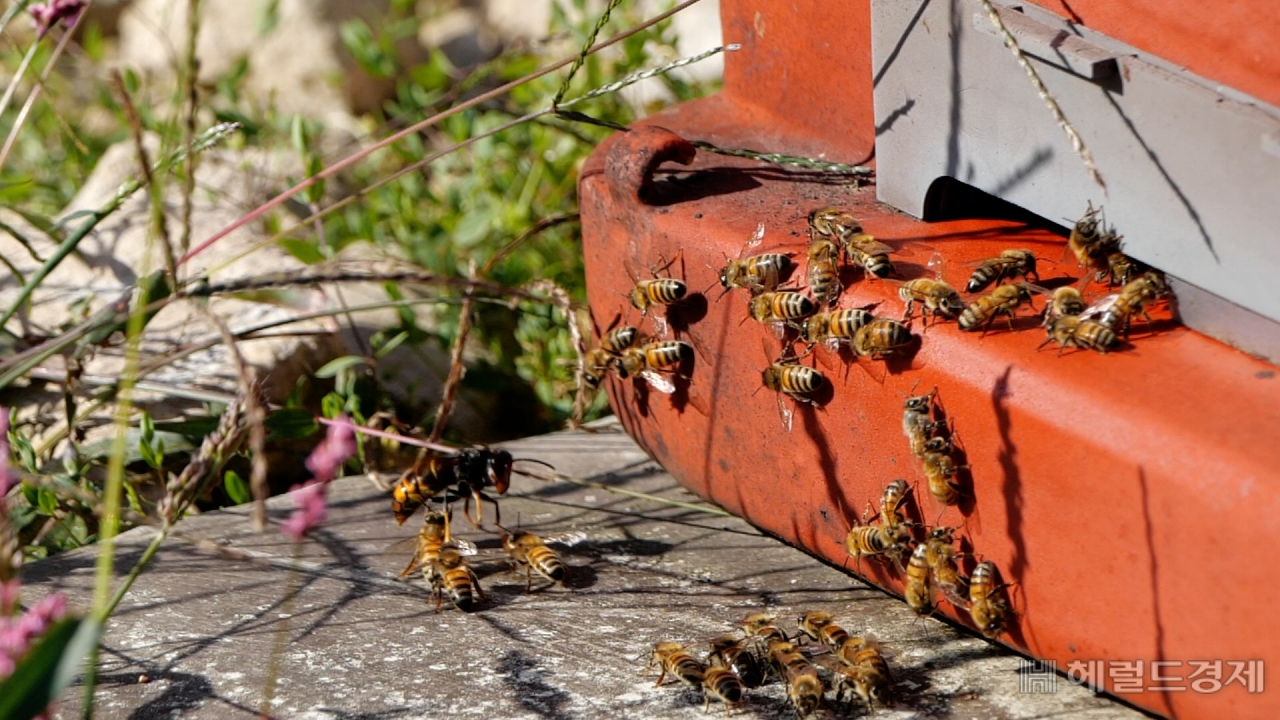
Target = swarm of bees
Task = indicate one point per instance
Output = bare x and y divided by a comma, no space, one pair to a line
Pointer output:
820,656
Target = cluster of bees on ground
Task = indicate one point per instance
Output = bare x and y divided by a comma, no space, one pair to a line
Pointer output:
442,558
819,656
837,241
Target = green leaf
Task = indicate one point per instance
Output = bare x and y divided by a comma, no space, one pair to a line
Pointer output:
47,501
338,365
332,405
237,489
135,503
268,17
304,250
390,345
48,669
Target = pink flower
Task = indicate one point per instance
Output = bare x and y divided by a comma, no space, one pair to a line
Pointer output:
53,12
338,445
16,636
324,462
310,502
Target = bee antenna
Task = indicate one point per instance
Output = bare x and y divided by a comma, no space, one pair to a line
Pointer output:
543,463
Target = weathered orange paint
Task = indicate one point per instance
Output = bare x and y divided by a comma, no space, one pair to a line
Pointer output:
1233,43
1132,497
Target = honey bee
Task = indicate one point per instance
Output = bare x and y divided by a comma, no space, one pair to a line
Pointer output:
430,540
1115,311
936,298
917,421
1090,241
940,471
658,291
757,273
882,337
451,575
793,380
877,540
820,626
780,306
833,223
595,364
805,689
895,528
1071,331
941,556
617,340
1065,300
468,472
720,682
530,551
824,272
835,327
868,677
1004,300
784,655
651,360
1010,263
873,257
917,590
989,612
670,657
762,627
729,650
1121,269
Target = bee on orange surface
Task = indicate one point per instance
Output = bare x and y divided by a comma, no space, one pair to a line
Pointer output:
988,611
1009,264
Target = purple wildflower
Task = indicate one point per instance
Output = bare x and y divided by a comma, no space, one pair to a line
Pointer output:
324,463
51,13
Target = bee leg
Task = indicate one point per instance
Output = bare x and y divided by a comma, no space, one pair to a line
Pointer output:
528,578
413,564
475,581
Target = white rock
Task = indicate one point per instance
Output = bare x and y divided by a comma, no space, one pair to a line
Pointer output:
301,64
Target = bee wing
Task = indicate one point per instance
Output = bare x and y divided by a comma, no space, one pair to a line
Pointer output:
464,547
659,382
937,263
753,242
565,539
659,326
778,330
785,413
1099,308
400,546
869,245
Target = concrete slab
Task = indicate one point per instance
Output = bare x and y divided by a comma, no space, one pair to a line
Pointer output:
222,610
